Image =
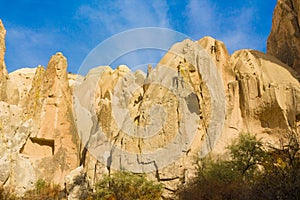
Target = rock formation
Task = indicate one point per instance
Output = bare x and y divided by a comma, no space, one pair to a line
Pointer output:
3,71
261,97
53,146
37,127
144,129
284,39
62,127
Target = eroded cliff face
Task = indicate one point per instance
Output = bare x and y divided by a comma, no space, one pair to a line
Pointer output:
254,93
52,147
195,101
263,99
152,124
284,39
39,136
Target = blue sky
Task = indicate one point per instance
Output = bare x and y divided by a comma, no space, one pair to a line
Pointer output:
38,29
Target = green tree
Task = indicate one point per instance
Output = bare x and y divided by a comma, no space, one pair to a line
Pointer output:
247,153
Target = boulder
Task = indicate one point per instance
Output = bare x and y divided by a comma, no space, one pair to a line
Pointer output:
76,185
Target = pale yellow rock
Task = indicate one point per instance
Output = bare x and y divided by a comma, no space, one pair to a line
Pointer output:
74,79
160,128
284,39
265,99
219,54
53,147
19,84
16,171
197,99
3,71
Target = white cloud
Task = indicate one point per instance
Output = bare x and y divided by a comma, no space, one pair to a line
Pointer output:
29,46
122,15
200,16
236,28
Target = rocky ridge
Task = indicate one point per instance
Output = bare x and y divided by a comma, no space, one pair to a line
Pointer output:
54,124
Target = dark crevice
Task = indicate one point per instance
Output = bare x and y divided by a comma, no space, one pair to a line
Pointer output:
169,179
148,163
298,117
169,189
140,98
83,157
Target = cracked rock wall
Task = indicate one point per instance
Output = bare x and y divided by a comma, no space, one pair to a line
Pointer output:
196,100
284,39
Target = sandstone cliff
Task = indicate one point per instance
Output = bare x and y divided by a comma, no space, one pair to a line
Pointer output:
195,101
154,124
53,145
284,39
39,138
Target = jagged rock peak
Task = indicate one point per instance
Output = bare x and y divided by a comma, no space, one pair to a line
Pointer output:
212,44
57,66
284,39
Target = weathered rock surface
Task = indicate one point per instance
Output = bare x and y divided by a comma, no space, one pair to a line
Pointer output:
14,133
39,136
53,146
263,100
76,185
19,84
156,123
3,71
196,100
117,109
284,39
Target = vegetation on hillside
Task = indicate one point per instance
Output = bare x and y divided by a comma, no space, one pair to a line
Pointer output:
127,186
254,171
119,186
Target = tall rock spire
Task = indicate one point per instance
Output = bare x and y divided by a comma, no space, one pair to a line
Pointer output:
54,141
3,71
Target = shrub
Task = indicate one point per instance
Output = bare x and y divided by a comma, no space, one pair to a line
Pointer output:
40,186
216,179
127,186
44,190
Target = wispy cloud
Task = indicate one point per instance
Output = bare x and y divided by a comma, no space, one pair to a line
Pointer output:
112,18
32,47
236,28
200,16
33,38
121,15
29,46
